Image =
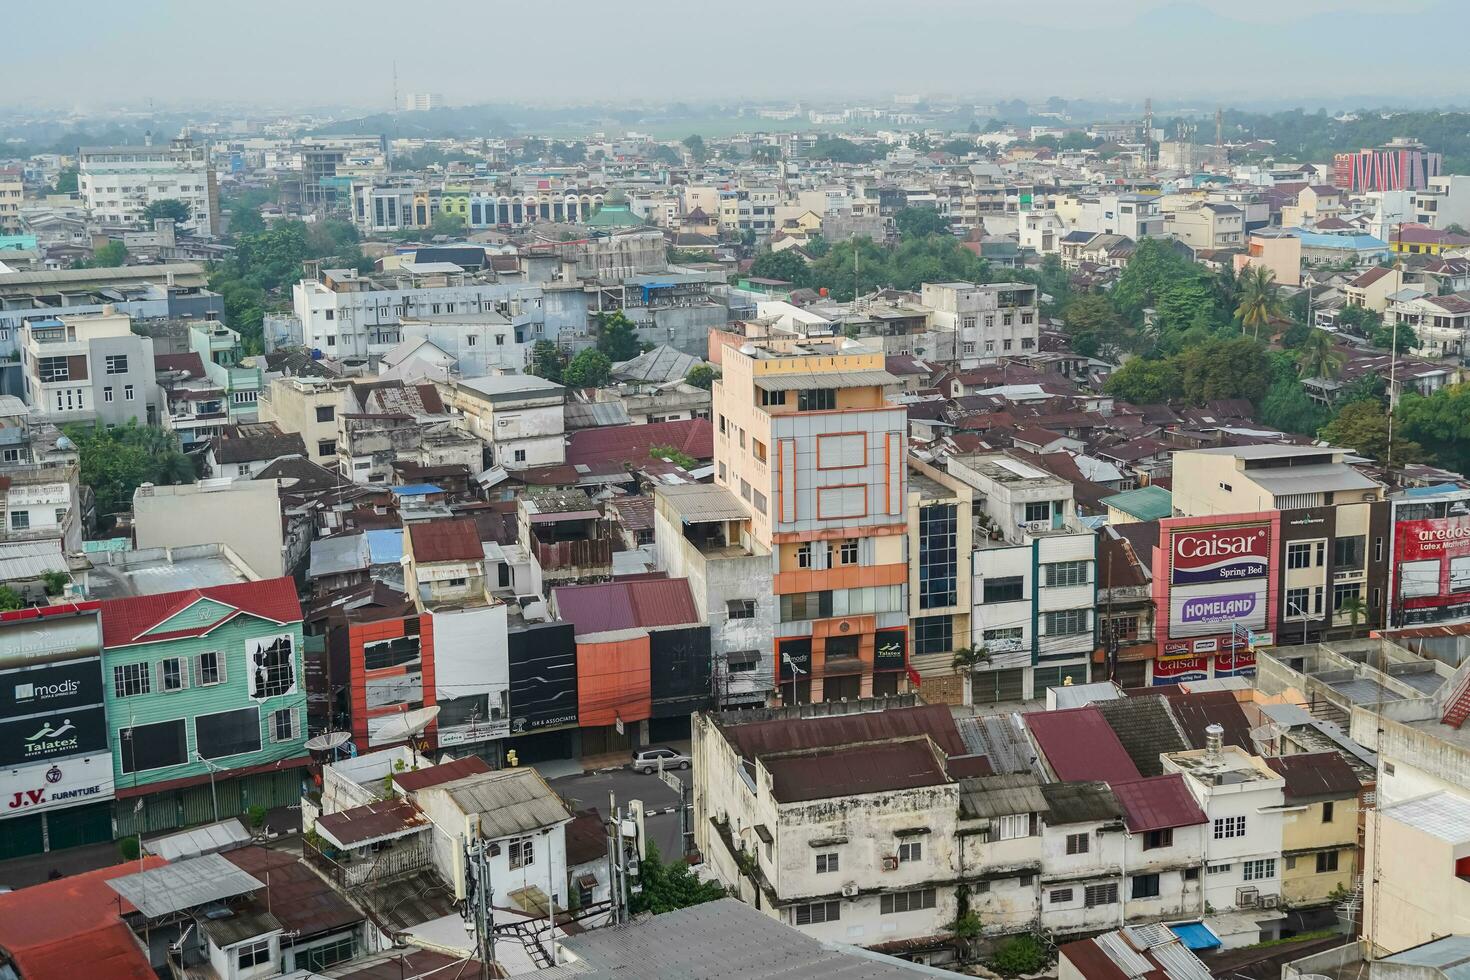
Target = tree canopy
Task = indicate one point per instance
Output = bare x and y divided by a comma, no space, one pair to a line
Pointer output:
169,207
920,223
839,150
617,336
589,369
116,461
703,376
667,887
1362,426
785,265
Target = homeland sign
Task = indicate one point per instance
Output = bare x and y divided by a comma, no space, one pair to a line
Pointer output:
1203,556
1211,610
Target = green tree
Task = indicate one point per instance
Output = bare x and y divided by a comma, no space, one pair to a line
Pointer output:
1318,356
1287,407
589,369
116,461
10,599
245,220
673,455
109,256
703,376
66,181
1143,382
1095,327
785,265
1260,299
448,224
546,360
920,223
1383,337
1235,368
667,887
839,150
1441,422
617,336
169,207
1363,427
694,143
1356,610
1016,955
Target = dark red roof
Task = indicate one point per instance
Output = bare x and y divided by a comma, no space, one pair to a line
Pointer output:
359,825
854,770
295,894
627,604
1196,711
1080,745
73,927
764,738
452,539
470,765
1316,775
1157,802
191,363
586,838
630,443
124,621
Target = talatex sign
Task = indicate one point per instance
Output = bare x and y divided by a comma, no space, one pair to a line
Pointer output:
53,735
1225,554
888,650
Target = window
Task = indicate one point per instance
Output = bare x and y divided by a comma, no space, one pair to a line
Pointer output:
913,901
522,852
128,392
20,520
228,733
51,369
318,958
257,952
742,661
910,851
1005,639
827,863
1066,622
740,609
1345,593
520,455
1007,588
1299,554
1259,870
1145,886
1326,861
804,556
938,556
1038,510
933,634
209,668
1327,812
1191,874
326,447
115,364
1156,839
1348,552
130,679
816,912
156,746
1059,895
816,400
758,449
1227,827
1079,843
107,395
1300,603
773,397
848,552
1010,826
325,413
1218,869
1062,573
1095,895
283,725
171,674
759,500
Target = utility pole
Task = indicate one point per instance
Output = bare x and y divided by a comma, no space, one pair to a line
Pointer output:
479,903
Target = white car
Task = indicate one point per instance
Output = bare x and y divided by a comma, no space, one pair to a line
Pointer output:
647,760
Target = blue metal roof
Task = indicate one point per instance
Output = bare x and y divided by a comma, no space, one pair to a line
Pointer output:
1196,935
416,489
1433,491
385,546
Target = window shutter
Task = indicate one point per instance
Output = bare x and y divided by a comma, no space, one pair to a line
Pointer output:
184,663
158,669
219,660
196,671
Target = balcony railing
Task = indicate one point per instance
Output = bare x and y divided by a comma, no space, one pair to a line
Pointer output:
405,856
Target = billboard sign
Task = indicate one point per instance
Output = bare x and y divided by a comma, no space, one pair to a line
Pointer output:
1241,663
50,785
471,674
1211,555
28,638
1209,610
543,677
54,687
54,735
1181,669
1432,568
888,649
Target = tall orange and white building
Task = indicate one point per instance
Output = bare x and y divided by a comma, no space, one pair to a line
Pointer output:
807,440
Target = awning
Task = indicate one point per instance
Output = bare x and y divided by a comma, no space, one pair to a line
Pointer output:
797,380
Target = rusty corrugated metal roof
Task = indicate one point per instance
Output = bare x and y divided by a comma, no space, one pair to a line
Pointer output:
1080,745
627,604
764,738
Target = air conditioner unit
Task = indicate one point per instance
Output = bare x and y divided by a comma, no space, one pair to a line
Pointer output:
1270,901
1247,898
850,890
890,862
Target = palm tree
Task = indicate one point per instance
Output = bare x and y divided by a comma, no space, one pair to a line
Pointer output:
1356,609
966,659
1226,285
1260,299
1318,357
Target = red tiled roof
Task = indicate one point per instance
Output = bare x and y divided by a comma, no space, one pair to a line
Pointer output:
125,620
453,539
630,443
73,927
1157,802
626,604
1080,745
470,765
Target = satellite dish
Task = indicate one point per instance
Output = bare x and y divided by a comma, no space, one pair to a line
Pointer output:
326,741
408,724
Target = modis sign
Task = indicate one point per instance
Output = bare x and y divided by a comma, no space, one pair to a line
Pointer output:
1212,555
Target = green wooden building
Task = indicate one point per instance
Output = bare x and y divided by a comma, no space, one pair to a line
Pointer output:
206,703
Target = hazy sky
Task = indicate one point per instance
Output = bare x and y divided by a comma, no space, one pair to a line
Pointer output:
555,51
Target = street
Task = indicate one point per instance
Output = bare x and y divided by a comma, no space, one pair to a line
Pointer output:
591,789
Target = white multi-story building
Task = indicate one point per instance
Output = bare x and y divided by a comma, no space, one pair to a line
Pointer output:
11,193
89,368
991,320
117,183
522,418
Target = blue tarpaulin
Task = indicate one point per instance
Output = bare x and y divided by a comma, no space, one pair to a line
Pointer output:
1196,935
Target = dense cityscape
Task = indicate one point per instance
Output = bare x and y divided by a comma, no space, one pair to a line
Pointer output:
815,536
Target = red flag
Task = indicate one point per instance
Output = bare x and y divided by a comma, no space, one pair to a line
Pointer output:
914,677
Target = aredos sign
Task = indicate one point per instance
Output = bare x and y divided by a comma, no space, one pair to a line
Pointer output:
1210,555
